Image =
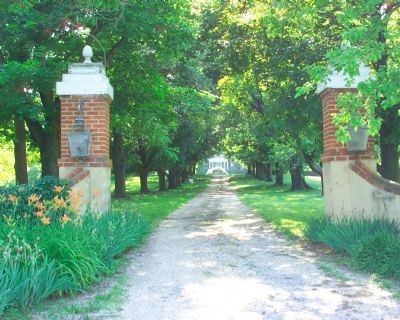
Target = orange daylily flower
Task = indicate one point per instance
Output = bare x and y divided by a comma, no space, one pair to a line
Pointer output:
39,214
45,220
58,189
59,202
40,206
65,218
12,198
96,193
33,198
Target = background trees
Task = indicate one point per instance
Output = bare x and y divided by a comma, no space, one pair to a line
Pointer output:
139,42
193,78
262,49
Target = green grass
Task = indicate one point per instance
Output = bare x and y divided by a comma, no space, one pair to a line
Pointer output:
133,184
290,212
156,205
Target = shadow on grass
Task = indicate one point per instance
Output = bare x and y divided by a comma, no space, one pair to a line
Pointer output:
288,211
156,205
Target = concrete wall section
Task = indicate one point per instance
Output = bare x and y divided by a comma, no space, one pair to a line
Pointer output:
94,188
349,195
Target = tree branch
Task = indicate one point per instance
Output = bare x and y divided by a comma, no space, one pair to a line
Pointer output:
310,161
114,48
95,31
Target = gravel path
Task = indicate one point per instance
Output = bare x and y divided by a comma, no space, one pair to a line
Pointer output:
215,259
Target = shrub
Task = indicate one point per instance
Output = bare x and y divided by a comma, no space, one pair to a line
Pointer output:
114,233
45,247
26,275
73,252
62,257
33,199
380,254
344,235
314,229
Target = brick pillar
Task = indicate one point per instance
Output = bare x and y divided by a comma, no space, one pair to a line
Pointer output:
334,150
343,193
89,177
96,114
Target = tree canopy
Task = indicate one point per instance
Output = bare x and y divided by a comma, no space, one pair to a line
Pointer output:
195,78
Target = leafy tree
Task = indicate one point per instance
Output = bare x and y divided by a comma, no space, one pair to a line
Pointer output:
262,48
370,36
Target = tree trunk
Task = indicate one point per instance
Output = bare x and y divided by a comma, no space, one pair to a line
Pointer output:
20,166
389,168
297,178
162,184
48,138
278,175
144,188
184,175
268,172
322,185
260,171
296,173
194,169
118,158
171,180
174,178
249,169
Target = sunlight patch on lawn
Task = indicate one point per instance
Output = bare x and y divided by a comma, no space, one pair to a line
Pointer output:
290,212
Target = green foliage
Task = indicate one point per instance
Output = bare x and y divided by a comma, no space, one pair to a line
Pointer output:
115,232
27,276
6,164
369,35
256,54
345,235
24,201
379,254
40,260
73,251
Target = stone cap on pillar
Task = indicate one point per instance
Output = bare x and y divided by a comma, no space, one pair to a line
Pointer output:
339,80
87,78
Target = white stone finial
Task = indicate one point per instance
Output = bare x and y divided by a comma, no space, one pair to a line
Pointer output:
87,54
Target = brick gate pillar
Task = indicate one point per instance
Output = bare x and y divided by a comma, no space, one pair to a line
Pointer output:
86,84
343,193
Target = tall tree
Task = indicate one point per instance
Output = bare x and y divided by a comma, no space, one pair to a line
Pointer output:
370,36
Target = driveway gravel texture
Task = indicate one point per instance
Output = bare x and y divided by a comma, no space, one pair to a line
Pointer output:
216,259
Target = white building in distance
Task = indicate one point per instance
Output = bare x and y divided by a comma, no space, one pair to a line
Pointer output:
221,164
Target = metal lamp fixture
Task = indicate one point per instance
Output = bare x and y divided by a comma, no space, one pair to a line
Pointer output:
79,137
358,139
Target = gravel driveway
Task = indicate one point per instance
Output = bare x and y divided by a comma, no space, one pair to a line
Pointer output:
215,259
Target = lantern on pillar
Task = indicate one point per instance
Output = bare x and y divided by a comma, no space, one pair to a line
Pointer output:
79,137
358,139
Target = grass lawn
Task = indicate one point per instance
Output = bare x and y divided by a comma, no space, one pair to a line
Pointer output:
157,205
288,211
